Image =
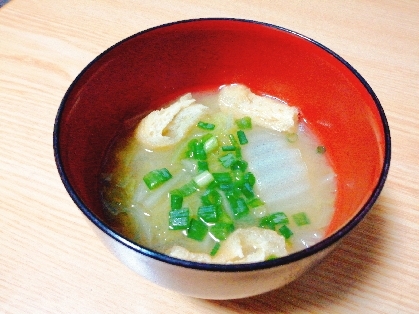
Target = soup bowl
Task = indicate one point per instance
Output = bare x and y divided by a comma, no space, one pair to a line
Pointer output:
148,69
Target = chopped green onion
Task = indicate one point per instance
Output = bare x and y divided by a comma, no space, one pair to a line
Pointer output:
228,148
212,185
301,219
242,137
221,230
238,177
233,140
247,190
236,191
239,165
210,143
205,125
224,217
266,223
191,147
208,213
238,206
197,230
244,123
199,151
203,179
229,190
223,180
222,177
236,184
215,248
250,178
211,197
226,186
227,160
206,137
255,202
179,219
279,218
187,189
176,200
321,149
202,166
156,178
285,231
270,221
238,152
292,137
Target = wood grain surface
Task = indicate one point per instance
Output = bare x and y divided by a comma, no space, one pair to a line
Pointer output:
50,259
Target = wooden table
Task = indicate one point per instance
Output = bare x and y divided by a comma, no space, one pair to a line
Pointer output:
50,259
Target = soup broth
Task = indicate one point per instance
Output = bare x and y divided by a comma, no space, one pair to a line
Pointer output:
292,193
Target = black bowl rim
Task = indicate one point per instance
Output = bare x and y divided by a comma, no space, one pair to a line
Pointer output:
320,246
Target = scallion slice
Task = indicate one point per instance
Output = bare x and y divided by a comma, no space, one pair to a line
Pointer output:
244,123
221,230
279,218
156,178
208,213
255,202
247,190
301,219
191,148
222,177
285,231
239,152
215,248
239,165
223,181
206,125
179,219
227,160
187,189
242,137
202,165
226,187
199,151
176,200
233,140
197,230
271,221
228,148
238,177
238,206
210,143
266,223
203,179
211,197
250,178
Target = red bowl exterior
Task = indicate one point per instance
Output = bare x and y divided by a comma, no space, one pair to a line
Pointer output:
153,67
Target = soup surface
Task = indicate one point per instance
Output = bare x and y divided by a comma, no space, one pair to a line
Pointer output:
232,187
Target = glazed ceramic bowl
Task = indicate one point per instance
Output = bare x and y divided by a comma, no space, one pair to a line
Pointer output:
155,66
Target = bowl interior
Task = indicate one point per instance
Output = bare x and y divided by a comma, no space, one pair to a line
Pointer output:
153,67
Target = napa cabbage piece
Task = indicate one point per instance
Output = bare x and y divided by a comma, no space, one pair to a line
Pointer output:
300,184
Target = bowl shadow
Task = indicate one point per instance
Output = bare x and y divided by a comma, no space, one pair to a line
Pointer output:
343,271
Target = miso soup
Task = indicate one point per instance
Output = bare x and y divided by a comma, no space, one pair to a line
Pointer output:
229,189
